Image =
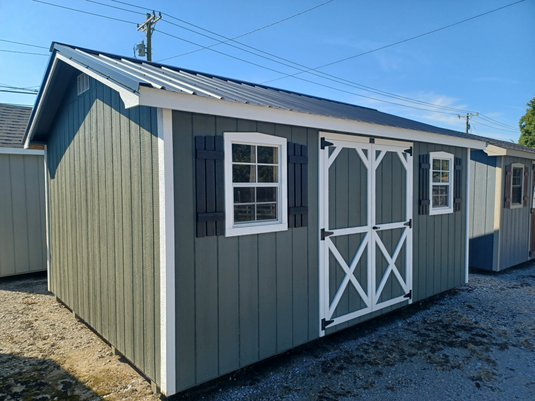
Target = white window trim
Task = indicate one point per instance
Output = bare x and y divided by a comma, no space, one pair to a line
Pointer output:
255,138
441,210
521,204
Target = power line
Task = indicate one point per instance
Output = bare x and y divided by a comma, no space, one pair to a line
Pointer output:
33,54
110,6
23,44
85,12
496,128
401,41
19,92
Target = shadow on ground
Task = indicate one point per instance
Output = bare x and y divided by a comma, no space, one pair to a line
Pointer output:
24,283
35,379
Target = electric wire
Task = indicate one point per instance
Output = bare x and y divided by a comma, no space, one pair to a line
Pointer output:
85,12
22,44
404,40
33,54
19,92
362,87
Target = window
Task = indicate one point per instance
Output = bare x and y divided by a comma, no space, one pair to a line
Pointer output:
255,183
441,185
517,194
82,83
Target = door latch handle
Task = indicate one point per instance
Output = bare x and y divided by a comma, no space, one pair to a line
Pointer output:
376,228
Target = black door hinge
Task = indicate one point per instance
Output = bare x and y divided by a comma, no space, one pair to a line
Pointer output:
408,295
409,151
325,323
325,143
408,223
325,234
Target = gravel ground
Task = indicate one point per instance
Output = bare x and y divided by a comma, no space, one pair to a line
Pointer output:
476,342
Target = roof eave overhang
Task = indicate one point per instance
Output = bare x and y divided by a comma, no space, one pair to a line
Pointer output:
205,105
129,95
493,150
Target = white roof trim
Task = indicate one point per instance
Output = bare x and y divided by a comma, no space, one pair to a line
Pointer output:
21,151
493,150
199,104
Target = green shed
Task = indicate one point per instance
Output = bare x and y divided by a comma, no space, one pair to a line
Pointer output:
201,224
22,197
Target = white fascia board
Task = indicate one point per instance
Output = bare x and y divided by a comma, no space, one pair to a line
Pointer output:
204,105
129,98
39,106
167,252
21,151
493,150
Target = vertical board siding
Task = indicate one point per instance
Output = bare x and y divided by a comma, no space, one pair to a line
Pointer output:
482,198
439,244
22,214
104,219
514,226
239,299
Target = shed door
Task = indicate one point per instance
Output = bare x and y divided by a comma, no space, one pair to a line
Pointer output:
366,216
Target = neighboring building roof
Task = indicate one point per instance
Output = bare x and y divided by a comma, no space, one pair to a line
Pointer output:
13,122
503,148
134,78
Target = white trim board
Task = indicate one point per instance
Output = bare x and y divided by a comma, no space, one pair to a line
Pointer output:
167,252
493,150
200,104
21,151
47,222
467,228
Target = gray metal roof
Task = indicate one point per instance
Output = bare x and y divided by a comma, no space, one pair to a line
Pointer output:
505,144
131,74
13,122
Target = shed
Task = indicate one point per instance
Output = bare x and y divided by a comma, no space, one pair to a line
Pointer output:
22,197
502,225
201,224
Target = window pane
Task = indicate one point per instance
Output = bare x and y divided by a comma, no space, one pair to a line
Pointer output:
436,200
517,176
244,195
446,165
243,153
436,189
267,211
267,174
444,190
436,164
243,213
436,177
516,195
243,173
445,177
267,154
266,194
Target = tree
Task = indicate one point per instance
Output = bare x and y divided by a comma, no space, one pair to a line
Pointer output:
527,126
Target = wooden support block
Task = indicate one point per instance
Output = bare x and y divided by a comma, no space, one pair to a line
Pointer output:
114,351
76,315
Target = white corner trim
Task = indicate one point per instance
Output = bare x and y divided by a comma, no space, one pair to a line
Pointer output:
467,228
21,151
47,221
167,252
201,104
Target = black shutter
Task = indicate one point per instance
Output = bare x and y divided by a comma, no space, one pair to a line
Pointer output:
457,184
297,185
209,185
526,186
424,200
508,186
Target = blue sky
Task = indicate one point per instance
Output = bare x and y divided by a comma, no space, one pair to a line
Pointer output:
485,65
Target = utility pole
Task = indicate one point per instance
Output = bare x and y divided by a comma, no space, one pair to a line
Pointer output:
468,115
148,28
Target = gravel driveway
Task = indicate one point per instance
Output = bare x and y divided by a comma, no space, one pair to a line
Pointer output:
476,342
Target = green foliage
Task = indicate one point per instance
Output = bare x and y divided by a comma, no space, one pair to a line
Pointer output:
527,126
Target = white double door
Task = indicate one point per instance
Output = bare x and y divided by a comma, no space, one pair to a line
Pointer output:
366,220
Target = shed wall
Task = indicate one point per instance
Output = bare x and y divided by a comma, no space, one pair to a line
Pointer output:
243,299
483,220
514,225
22,214
104,219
